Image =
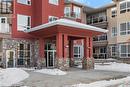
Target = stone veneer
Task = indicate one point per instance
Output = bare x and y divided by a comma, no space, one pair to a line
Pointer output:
62,63
88,63
12,44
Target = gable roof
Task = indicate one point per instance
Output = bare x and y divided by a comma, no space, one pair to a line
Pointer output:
69,23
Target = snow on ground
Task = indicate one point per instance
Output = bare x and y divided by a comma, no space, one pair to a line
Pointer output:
12,76
28,69
112,66
105,83
51,71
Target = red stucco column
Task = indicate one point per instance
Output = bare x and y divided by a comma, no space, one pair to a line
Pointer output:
86,47
71,53
88,61
71,49
59,45
65,45
91,47
41,47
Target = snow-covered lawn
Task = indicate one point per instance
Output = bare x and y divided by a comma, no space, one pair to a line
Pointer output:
12,76
105,83
120,67
51,71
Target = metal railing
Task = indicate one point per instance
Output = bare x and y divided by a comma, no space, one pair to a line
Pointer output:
100,55
96,20
5,28
71,15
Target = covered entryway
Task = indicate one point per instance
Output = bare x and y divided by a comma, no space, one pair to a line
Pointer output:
63,32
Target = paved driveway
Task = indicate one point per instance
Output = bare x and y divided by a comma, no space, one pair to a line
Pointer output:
74,76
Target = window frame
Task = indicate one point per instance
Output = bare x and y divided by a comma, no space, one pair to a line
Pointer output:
29,4
127,53
56,18
67,13
53,2
114,32
78,55
27,27
115,12
25,57
113,54
126,9
77,12
127,30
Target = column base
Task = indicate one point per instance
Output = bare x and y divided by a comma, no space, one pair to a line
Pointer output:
88,63
71,62
62,64
41,63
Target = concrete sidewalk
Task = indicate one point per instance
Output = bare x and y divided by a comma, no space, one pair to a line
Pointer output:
74,76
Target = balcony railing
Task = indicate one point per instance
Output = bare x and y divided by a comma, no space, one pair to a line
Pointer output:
100,38
95,20
100,55
5,28
72,15
6,6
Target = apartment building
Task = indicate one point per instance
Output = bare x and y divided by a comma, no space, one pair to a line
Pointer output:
114,17
47,33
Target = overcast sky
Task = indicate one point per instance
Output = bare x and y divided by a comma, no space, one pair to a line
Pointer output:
95,3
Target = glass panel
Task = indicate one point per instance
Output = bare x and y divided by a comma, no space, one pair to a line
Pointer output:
123,6
75,50
123,29
123,49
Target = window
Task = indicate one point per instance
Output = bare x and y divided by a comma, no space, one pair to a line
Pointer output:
67,12
78,50
103,50
114,31
125,28
52,18
26,2
3,20
113,50
77,12
6,7
23,54
23,22
125,6
55,2
125,50
114,12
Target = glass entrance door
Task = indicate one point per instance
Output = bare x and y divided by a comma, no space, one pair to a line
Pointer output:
50,54
50,57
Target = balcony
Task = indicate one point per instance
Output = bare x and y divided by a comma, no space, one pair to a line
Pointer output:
6,6
100,40
5,28
72,16
100,55
98,21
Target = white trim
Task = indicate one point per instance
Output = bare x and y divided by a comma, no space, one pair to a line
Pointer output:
54,3
18,1
7,57
69,23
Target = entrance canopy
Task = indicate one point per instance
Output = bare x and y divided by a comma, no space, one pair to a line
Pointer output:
65,26
64,32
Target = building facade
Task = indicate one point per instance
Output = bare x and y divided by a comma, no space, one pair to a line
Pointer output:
48,33
114,17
